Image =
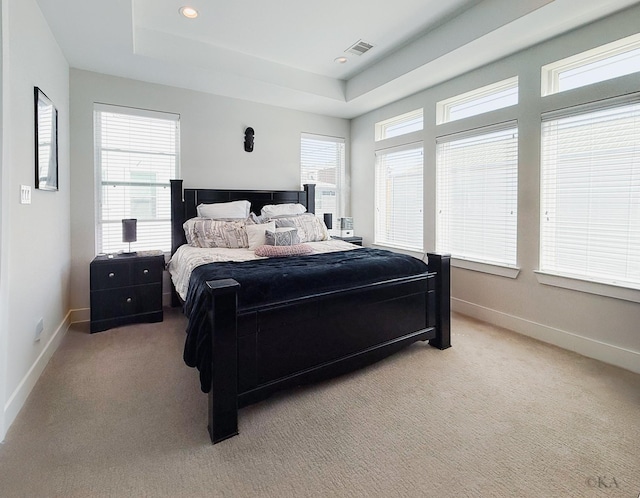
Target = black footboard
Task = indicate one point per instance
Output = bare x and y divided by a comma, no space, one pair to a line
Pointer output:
257,352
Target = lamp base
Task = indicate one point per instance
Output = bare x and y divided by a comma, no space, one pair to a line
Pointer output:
129,252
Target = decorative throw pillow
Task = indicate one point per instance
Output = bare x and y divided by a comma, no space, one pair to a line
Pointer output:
205,232
282,237
256,233
281,251
310,227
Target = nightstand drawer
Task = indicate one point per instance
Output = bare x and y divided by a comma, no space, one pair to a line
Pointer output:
126,301
149,271
110,275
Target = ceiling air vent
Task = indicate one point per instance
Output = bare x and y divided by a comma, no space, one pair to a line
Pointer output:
359,48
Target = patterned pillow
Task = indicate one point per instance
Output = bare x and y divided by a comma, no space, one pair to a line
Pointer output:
204,232
281,251
282,237
310,227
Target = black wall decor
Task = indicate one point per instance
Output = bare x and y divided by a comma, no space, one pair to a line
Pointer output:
248,139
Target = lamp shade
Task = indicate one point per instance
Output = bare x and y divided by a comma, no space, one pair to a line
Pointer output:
328,220
129,230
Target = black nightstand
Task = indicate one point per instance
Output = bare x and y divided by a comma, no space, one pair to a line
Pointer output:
126,289
354,240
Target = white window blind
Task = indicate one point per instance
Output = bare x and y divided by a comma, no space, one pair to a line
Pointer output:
477,194
322,162
136,154
590,206
398,197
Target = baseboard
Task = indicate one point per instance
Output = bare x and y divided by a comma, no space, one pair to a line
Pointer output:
80,315
18,398
608,353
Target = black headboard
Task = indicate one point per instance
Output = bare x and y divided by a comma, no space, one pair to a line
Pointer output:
183,203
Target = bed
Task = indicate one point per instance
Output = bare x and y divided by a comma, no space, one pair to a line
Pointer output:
262,325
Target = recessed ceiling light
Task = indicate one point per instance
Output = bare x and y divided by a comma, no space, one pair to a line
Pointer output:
189,12
340,60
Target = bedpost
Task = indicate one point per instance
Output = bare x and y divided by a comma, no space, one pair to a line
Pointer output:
441,265
177,233
223,396
310,189
177,215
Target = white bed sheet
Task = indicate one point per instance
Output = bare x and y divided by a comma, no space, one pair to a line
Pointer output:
186,258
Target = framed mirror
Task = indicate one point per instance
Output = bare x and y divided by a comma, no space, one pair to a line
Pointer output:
46,128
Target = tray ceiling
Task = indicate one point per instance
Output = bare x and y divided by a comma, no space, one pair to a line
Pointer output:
282,53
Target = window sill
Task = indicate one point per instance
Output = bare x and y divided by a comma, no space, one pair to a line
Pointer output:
416,253
493,269
613,290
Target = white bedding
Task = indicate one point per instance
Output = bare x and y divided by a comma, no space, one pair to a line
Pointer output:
186,258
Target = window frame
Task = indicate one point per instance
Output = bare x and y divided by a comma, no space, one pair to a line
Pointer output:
550,74
381,128
550,276
444,107
340,142
508,269
98,110
385,241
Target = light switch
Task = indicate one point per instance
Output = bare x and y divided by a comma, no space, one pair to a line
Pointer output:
25,194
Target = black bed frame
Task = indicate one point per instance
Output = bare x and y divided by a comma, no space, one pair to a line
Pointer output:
259,351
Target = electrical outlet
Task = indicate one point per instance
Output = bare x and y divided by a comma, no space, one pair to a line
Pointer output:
25,194
39,329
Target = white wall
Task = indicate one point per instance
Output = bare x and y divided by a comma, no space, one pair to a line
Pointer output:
212,149
35,238
593,325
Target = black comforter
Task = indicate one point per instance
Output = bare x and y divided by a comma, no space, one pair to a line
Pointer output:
276,280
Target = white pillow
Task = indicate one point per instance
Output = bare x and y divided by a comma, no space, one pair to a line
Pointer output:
283,210
224,210
256,233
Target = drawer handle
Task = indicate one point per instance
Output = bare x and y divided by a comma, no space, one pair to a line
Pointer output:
129,299
145,271
111,275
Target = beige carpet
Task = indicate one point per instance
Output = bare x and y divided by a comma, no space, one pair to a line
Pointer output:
118,414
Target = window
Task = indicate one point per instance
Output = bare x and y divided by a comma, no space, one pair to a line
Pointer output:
398,197
322,161
590,188
477,194
136,154
399,125
599,64
488,98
